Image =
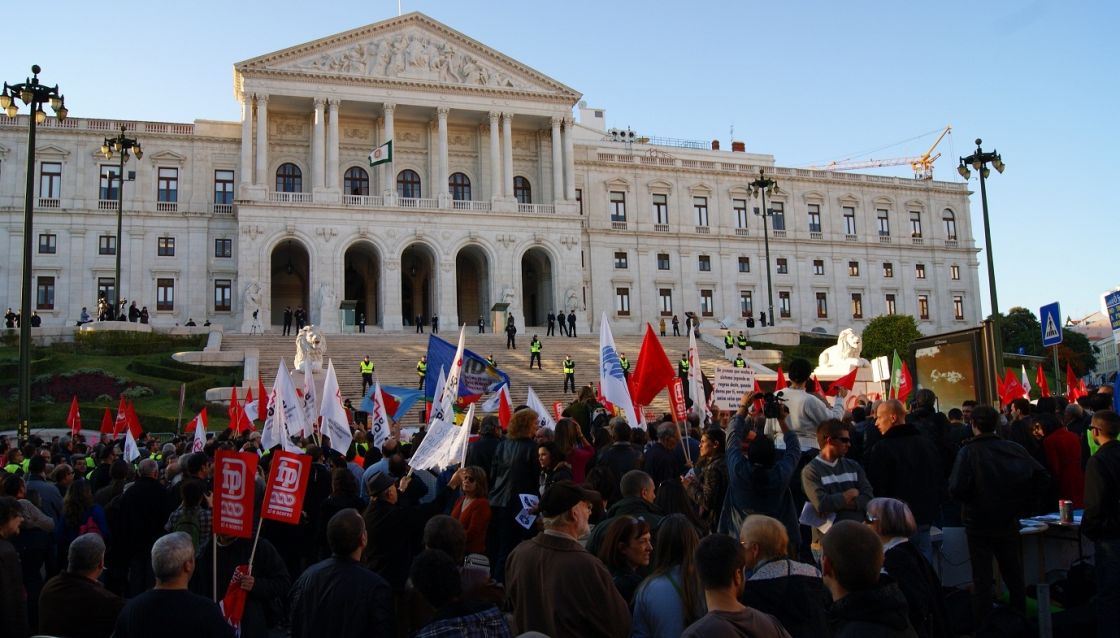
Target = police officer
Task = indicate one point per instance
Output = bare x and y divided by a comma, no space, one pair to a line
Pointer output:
367,373
551,324
625,363
491,362
739,361
535,352
682,372
742,340
287,321
422,370
569,373
728,341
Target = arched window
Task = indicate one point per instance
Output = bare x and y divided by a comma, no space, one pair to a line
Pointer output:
522,191
950,224
289,179
408,184
460,186
356,181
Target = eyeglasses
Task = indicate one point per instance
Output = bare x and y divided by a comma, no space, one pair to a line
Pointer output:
871,518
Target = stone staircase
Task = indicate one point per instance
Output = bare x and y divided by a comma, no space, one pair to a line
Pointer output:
395,356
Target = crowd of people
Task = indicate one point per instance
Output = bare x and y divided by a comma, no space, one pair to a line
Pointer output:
789,516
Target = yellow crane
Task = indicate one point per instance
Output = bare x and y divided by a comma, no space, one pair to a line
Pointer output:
921,164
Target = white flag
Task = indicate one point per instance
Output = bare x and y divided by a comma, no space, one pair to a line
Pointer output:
272,432
437,400
1026,383
199,434
251,409
294,421
493,403
283,410
381,154
335,424
309,401
450,393
379,420
612,383
131,450
544,417
696,381
459,453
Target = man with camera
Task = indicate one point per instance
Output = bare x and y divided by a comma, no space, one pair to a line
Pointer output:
807,411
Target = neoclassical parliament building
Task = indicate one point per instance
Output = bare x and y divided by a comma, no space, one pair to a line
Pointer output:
503,188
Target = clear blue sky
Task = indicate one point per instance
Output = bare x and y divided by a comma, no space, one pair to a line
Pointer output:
805,81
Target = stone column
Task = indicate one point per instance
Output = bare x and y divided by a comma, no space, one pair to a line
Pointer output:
507,155
387,181
246,141
495,159
569,161
317,132
557,162
333,183
441,189
261,177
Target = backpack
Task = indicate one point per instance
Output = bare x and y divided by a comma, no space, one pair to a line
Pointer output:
190,523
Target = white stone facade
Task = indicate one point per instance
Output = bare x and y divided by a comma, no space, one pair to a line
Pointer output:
534,228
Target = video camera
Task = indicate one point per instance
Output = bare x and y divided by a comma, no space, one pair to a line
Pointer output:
772,405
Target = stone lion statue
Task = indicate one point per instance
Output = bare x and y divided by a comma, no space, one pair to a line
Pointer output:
845,353
310,348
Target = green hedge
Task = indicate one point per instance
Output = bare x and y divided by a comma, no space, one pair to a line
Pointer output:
160,371
121,342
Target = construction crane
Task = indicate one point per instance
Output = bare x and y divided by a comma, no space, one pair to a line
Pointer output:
921,164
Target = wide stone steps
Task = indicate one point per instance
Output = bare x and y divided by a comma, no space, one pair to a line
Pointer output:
395,356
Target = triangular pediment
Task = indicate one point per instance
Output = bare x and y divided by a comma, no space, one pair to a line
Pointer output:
410,50
167,157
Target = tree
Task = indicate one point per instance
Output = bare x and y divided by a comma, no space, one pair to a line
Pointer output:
1020,329
1076,349
887,333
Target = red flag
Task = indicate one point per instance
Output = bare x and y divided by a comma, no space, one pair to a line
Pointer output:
505,406
234,411
676,401
107,422
847,381
262,398
1012,388
1040,381
121,422
781,382
287,484
233,603
1075,387
74,419
653,372
816,385
134,422
905,384
234,490
558,409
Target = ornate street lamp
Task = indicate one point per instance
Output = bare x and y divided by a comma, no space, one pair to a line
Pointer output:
120,145
33,95
979,162
764,186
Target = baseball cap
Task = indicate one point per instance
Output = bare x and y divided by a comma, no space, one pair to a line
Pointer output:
562,496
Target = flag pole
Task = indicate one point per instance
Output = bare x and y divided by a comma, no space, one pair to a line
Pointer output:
253,554
182,396
214,569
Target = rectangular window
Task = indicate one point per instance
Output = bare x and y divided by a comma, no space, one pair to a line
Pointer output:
739,206
853,269
167,185
923,306
784,304
48,244
955,272
579,198
622,301
782,266
919,271
707,303
165,294
746,303
110,182
44,293
223,187
165,247
849,220
884,216
818,266
700,205
106,245
915,223
890,304
621,261
660,208
778,215
704,263
50,180
744,264
958,307
105,288
618,206
888,270
857,305
822,305
223,247
950,225
223,295
665,296
814,218
663,261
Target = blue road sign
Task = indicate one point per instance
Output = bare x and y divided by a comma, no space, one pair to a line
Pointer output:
1050,316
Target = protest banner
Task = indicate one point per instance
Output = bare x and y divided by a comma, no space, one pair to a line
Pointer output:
234,490
676,400
731,384
287,484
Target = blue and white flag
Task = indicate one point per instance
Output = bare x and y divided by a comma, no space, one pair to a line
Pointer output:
544,417
612,383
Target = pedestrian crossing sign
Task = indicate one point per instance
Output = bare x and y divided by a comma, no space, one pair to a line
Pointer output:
1050,318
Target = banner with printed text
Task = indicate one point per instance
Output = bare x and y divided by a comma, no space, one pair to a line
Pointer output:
234,489
287,484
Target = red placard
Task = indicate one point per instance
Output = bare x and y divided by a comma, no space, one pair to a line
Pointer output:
676,400
287,485
558,410
234,488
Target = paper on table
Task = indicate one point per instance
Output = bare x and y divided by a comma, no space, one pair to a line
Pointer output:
811,517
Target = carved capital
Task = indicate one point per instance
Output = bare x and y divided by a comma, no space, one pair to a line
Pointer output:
389,107
333,103
442,112
261,98
319,102
557,121
569,122
393,264
494,115
508,117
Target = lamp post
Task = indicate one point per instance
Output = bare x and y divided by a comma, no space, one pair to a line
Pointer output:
979,161
121,145
764,186
34,95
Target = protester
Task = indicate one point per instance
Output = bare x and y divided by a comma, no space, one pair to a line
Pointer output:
50,498
790,591
720,561
344,495
638,495
707,486
621,456
435,575
807,411
515,471
863,605
12,603
626,552
144,514
836,487
573,447
472,508
393,523
553,465
480,453
80,515
1101,520
670,599
1062,450
672,498
265,582
74,603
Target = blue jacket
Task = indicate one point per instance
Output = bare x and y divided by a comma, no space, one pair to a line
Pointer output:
770,495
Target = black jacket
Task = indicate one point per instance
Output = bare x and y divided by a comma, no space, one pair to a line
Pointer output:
921,587
995,482
799,602
481,452
905,465
143,508
1102,494
875,613
620,458
340,597
629,506
935,426
514,471
264,603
